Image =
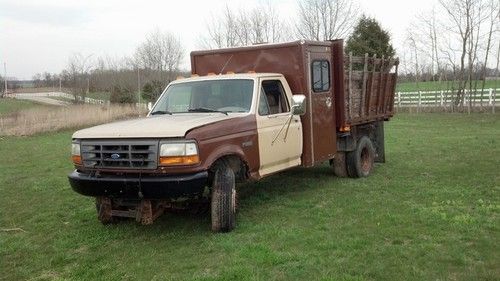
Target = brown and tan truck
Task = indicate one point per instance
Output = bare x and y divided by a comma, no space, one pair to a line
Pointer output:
244,114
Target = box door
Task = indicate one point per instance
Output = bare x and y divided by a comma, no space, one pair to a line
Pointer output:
322,107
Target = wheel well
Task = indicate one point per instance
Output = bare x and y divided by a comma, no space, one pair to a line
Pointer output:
237,164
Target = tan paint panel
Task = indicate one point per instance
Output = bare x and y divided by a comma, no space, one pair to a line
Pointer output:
162,126
279,148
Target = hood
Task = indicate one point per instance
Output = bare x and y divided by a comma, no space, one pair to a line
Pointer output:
162,126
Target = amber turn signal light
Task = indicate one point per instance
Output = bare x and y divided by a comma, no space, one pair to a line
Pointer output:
179,160
77,159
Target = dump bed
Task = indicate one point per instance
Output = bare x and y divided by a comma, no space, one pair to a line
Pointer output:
370,84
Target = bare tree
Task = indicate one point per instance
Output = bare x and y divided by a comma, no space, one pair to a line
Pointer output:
162,52
231,28
494,16
326,19
78,73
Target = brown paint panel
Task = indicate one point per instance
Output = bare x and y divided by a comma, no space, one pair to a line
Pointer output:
338,81
276,58
323,113
236,136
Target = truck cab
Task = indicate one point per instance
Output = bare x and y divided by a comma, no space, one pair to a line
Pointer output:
245,113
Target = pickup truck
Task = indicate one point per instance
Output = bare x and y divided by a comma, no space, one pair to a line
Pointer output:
244,114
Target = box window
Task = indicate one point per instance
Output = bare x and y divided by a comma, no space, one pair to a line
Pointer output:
320,75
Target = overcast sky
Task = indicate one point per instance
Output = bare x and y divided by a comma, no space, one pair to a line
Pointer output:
40,35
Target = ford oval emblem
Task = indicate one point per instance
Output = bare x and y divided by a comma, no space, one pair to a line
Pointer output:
115,156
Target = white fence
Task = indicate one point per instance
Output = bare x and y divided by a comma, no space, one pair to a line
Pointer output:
69,97
446,99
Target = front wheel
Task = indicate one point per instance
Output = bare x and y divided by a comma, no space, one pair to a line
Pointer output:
223,201
360,161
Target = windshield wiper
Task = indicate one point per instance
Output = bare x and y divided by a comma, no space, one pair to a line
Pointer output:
204,109
161,112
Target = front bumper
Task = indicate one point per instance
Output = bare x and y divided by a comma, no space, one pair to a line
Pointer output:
131,186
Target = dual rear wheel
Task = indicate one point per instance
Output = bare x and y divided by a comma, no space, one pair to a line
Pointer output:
357,163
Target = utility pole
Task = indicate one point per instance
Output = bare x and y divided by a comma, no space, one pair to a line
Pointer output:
5,77
138,86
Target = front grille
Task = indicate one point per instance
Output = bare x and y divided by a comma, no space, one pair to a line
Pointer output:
120,154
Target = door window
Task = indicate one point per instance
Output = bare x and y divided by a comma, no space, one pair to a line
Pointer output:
320,75
272,98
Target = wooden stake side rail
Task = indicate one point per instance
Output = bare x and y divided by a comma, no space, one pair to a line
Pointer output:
371,85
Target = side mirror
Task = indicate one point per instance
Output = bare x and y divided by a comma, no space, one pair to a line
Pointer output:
298,104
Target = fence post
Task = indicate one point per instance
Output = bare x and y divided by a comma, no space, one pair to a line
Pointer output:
419,101
441,93
464,97
399,100
490,96
493,101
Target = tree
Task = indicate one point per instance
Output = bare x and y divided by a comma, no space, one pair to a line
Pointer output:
231,28
162,52
121,94
326,19
465,18
152,90
2,87
369,37
78,72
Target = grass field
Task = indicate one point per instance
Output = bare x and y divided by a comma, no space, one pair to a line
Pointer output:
435,85
8,105
430,213
99,95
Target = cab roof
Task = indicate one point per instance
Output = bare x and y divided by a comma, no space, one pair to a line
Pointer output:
226,76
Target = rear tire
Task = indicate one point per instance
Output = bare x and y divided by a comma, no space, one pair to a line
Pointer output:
360,161
223,201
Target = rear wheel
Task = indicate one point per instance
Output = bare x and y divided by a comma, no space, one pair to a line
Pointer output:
223,201
360,161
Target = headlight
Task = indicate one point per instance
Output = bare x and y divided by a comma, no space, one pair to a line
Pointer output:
179,153
75,154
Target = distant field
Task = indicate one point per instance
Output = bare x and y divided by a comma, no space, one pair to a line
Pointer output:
432,212
436,85
99,95
9,105
43,119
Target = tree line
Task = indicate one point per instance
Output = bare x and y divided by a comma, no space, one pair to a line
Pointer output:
456,41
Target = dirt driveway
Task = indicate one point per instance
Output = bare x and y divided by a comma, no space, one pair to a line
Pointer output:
45,98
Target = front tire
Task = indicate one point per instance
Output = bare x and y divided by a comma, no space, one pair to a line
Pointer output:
360,161
223,200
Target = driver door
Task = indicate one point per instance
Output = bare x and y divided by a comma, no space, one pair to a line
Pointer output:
279,132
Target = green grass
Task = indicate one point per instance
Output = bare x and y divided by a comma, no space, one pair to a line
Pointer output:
8,105
436,85
430,213
99,95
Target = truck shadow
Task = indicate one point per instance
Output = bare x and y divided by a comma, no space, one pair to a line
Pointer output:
251,196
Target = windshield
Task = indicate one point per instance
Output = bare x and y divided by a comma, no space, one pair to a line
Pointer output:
225,95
